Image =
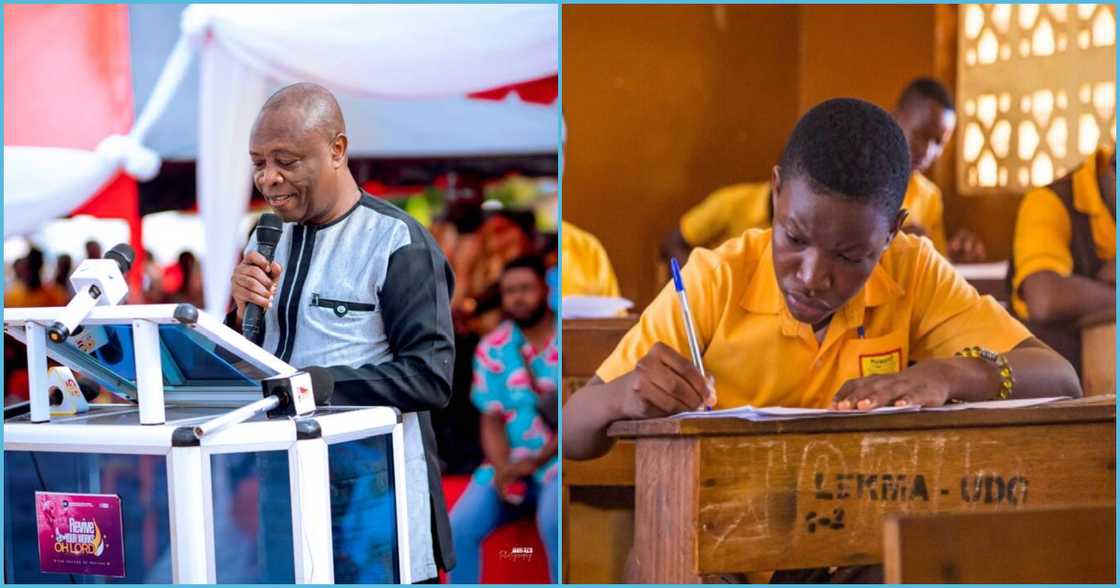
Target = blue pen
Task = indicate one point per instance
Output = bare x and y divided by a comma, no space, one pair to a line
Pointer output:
689,329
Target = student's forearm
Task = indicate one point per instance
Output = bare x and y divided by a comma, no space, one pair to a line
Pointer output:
1051,297
1038,372
587,414
1041,372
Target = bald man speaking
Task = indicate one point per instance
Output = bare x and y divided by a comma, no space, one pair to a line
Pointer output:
357,288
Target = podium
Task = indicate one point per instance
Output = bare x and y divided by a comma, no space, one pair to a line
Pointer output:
313,499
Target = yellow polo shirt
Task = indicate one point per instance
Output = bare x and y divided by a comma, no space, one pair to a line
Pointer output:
923,201
914,306
1043,229
727,213
587,269
732,210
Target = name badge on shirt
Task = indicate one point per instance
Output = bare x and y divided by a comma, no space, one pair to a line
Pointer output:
874,364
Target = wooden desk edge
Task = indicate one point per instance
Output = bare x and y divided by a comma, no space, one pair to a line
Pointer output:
1097,318
615,323
1094,409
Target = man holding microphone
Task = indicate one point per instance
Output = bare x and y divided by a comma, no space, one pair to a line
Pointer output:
357,289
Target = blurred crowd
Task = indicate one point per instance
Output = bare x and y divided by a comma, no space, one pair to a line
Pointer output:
479,243
41,279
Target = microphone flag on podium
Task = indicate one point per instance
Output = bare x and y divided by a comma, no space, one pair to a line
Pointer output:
296,394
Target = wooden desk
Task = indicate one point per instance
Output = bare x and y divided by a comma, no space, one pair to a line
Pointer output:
1098,353
725,496
598,495
1037,546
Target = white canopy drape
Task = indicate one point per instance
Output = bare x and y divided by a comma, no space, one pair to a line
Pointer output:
387,51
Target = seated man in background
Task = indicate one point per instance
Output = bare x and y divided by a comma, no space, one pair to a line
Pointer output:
587,269
1063,265
926,114
515,365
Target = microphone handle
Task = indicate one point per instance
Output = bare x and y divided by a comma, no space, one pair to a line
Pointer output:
252,326
237,416
73,313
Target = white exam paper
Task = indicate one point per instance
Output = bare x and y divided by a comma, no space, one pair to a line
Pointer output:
1014,403
593,306
783,413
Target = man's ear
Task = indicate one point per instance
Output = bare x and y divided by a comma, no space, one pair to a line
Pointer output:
338,150
903,214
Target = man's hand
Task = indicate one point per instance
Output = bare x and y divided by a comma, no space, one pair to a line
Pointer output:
966,247
925,384
664,383
512,472
254,282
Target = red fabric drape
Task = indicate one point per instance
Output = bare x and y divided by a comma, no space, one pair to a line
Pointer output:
542,91
68,83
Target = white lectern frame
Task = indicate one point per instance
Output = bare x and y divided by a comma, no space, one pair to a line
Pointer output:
188,459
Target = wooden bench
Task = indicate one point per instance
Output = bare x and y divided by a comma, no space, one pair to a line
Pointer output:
1062,545
1098,353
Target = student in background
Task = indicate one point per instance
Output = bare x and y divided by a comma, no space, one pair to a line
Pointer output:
587,269
515,366
1063,264
926,114
827,309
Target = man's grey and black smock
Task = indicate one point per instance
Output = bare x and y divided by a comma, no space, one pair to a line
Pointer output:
368,296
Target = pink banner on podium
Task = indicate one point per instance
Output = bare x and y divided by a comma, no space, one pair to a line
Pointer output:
80,534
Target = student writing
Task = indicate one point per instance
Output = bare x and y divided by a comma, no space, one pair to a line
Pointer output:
827,309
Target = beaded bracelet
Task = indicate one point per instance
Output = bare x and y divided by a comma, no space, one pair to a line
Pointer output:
1007,378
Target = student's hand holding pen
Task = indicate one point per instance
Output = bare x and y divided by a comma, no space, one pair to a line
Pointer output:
664,383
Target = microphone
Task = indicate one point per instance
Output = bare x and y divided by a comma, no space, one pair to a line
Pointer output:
90,390
97,282
299,394
284,396
268,235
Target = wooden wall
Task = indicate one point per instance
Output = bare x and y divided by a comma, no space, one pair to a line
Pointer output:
664,104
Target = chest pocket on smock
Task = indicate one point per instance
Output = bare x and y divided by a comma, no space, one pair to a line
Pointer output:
874,356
